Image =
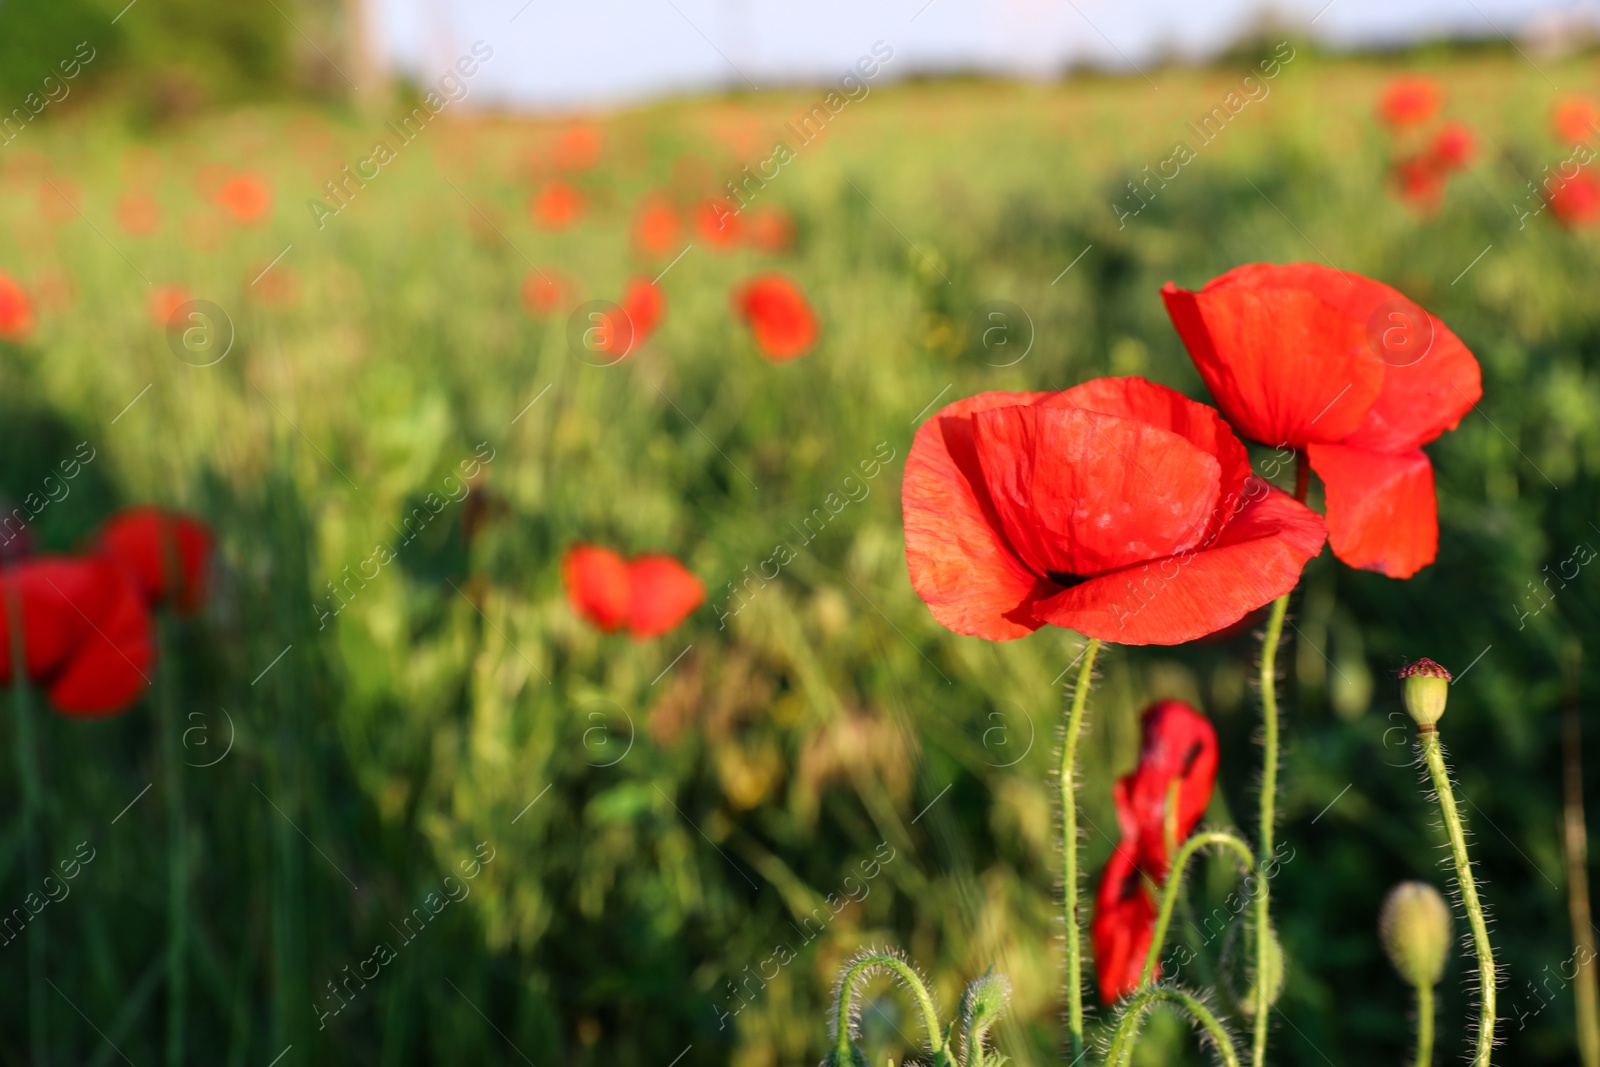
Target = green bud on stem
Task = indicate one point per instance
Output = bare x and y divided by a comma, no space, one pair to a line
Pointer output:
1426,687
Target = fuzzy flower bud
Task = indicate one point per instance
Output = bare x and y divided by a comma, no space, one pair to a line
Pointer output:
1415,927
1426,687
982,1005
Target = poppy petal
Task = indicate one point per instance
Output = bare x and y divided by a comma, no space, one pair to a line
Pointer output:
597,585
148,541
1382,515
1123,925
663,593
959,562
1256,559
1423,395
1284,362
1179,749
107,670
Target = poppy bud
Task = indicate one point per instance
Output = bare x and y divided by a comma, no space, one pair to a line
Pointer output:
1239,966
1415,927
985,1001
1426,688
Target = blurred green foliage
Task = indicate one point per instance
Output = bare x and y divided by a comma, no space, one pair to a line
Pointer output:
660,826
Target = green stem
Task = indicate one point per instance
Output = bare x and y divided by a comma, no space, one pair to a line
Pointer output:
1424,1026
1069,847
1269,796
32,803
177,855
903,971
1433,753
1169,895
1126,1035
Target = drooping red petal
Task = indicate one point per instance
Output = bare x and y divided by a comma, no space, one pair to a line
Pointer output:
1256,559
598,587
663,593
110,665
959,561
1283,361
1382,515
1123,925
1180,747
168,554
1079,493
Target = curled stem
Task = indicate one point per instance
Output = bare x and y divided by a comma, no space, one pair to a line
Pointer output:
1069,847
1126,1035
845,1007
1424,1026
1169,895
1269,791
1433,755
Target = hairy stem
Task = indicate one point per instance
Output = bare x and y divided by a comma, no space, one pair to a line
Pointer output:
1433,754
902,970
1269,797
1069,847
1126,1035
1169,896
1424,1026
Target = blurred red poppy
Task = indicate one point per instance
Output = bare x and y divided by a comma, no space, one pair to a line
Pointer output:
718,224
1454,146
167,553
1421,182
59,200
545,292
578,147
1576,201
771,230
784,325
597,585
1576,119
1348,371
139,214
16,311
1118,508
1410,101
246,198
85,632
641,309
165,300
663,593
1177,762
656,231
557,206
272,284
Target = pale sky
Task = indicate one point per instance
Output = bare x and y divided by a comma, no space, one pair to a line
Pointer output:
573,54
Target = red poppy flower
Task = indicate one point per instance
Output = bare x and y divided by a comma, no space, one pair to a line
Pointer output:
1350,372
771,230
557,205
1118,508
718,224
656,230
651,595
1410,101
246,198
165,300
1576,201
16,312
545,292
1576,119
663,592
85,632
139,214
641,309
784,325
167,553
1178,761
1421,182
1454,146
578,147
597,585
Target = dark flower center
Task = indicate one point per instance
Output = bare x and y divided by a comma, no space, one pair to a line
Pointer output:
1065,579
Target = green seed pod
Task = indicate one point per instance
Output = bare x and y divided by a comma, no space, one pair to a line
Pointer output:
1415,927
1239,966
1425,686
985,1001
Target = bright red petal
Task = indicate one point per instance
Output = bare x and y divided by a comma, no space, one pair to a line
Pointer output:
1283,361
781,319
1426,391
109,667
1080,493
168,554
959,561
664,592
598,587
1256,559
1180,748
1123,925
1382,515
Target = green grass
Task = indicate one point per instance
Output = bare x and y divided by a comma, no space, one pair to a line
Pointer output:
782,752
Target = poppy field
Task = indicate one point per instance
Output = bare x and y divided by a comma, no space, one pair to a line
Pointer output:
624,588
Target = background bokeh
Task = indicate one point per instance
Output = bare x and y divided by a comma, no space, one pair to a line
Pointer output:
660,816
